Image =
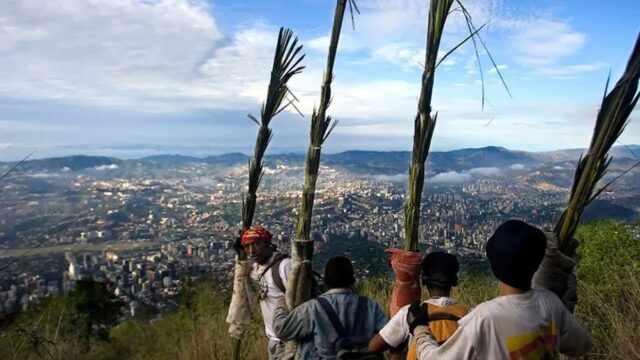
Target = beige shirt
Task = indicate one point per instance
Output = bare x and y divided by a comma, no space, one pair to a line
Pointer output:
271,294
512,327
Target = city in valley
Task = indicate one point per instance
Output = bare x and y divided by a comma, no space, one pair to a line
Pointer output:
146,225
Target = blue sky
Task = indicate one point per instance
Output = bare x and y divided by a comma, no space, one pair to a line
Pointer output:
131,78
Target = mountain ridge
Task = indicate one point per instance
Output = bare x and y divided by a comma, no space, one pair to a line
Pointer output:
359,161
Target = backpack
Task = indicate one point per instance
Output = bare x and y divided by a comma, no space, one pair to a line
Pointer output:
443,322
354,344
316,287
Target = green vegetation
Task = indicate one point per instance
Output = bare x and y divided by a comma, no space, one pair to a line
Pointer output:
609,290
609,287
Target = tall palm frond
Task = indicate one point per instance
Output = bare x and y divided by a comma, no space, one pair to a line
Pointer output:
286,63
321,127
425,121
611,121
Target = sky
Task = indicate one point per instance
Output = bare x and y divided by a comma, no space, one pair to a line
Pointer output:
131,78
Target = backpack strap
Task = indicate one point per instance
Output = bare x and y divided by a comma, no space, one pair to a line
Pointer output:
361,316
442,316
275,264
333,317
277,278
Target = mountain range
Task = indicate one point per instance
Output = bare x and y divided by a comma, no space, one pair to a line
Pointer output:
356,161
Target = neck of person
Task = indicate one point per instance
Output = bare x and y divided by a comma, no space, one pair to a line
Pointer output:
438,293
509,290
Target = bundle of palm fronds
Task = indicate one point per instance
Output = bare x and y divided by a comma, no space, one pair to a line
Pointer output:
611,121
300,278
425,122
286,63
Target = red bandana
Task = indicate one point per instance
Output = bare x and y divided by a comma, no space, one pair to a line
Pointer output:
255,233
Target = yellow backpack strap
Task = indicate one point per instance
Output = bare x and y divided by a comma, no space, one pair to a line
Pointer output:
452,312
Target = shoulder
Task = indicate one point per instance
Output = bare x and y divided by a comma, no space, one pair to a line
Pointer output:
308,307
376,307
401,315
545,294
549,298
480,315
285,260
373,303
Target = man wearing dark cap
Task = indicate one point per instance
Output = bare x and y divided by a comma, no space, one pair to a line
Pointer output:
316,324
439,275
521,323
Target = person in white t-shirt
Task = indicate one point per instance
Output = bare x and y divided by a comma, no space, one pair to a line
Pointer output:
439,275
521,323
270,270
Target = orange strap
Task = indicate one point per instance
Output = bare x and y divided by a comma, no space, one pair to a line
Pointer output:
441,326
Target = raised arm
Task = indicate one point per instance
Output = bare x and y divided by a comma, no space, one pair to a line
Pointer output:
293,325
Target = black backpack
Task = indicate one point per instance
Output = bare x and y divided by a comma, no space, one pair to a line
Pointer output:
355,343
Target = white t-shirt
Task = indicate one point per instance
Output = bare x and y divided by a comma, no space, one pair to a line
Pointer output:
397,329
269,291
515,327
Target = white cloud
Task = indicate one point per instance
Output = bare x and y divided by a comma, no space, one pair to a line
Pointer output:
397,178
450,177
106,167
569,70
169,56
500,67
43,175
485,171
159,56
517,167
402,54
348,43
545,42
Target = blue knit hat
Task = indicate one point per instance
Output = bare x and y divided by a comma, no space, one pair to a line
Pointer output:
515,251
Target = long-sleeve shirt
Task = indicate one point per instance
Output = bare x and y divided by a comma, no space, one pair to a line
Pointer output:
309,323
511,327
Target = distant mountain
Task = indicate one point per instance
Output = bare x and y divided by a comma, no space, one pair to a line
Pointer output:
171,159
377,162
397,162
491,156
72,163
618,152
361,162
603,209
226,159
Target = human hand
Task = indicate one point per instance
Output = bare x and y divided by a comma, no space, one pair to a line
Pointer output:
418,315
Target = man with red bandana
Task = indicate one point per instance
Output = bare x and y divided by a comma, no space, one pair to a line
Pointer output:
270,270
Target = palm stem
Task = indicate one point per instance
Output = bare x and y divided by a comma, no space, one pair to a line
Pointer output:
300,278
